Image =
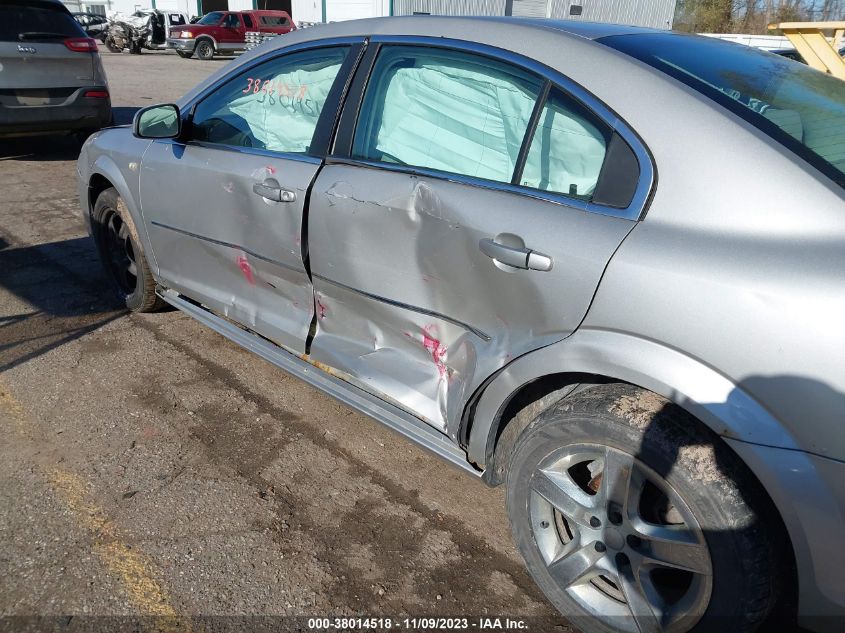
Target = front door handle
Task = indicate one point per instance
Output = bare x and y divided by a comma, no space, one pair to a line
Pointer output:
277,194
523,258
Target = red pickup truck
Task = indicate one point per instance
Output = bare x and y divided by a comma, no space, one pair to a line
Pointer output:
225,31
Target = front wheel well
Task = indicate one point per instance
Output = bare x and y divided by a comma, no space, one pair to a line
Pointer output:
96,185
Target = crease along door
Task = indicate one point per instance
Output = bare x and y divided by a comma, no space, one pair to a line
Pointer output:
408,304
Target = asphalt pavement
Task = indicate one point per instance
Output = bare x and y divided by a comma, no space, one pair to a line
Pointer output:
150,468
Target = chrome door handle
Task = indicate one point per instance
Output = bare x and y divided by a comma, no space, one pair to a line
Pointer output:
277,194
523,258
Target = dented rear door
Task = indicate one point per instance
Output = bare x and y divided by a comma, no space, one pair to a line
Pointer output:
225,209
432,269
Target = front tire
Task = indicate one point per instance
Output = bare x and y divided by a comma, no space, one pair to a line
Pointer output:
632,516
204,50
122,255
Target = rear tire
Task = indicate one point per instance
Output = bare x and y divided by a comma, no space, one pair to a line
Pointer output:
613,490
204,50
122,254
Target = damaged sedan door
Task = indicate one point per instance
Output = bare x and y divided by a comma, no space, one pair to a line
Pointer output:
459,224
224,206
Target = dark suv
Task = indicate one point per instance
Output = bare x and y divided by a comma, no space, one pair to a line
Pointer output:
53,79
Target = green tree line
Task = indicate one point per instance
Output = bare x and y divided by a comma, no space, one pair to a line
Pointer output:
751,16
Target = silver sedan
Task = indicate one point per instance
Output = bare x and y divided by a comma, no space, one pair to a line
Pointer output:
599,264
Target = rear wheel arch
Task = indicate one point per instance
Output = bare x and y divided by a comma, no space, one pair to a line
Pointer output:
526,399
663,426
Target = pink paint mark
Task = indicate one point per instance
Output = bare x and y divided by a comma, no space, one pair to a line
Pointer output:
427,278
435,348
246,269
270,169
321,309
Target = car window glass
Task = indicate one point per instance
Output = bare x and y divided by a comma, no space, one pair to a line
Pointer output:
32,21
274,20
176,19
247,20
446,110
568,149
273,106
231,21
799,107
212,18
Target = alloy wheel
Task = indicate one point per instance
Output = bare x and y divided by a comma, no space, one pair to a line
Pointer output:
619,540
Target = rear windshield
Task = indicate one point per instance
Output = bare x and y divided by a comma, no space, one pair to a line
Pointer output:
20,23
801,108
212,18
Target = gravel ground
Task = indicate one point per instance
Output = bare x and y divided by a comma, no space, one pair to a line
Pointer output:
149,467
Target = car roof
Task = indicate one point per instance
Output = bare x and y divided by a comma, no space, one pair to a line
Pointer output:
589,30
395,25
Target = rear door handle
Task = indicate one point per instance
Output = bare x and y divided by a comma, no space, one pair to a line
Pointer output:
277,194
523,258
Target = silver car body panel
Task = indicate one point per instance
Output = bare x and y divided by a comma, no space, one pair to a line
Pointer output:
235,251
397,265
726,298
41,65
394,418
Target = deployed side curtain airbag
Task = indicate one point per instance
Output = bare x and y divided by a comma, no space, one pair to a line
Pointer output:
282,111
445,113
566,153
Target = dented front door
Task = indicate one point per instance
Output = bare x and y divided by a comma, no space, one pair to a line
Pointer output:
410,305
227,246
225,208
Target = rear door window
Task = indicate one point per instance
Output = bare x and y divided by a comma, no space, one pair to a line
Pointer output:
247,21
567,150
27,23
446,110
273,106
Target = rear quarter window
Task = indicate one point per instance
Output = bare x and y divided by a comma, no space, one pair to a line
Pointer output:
18,19
274,20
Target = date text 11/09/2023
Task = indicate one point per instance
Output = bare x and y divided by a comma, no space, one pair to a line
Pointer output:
417,624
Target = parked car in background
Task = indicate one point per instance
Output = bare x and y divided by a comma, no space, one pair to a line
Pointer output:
52,78
456,226
146,28
225,32
93,24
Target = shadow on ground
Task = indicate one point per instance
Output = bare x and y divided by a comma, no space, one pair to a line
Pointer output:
62,293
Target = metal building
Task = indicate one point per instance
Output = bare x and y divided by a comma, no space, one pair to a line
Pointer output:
652,13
